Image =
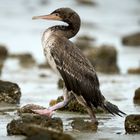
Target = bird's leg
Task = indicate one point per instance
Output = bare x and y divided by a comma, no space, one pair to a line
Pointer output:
89,109
92,114
48,112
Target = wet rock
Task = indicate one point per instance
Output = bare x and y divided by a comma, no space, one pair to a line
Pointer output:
89,25
84,42
9,92
60,83
28,117
43,2
3,52
42,75
44,65
73,106
86,2
15,127
82,125
3,113
134,71
28,108
3,56
132,39
41,136
103,58
137,96
5,107
26,60
35,132
1,66
53,102
132,123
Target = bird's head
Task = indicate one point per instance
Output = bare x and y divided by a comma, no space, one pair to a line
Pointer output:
66,15
62,14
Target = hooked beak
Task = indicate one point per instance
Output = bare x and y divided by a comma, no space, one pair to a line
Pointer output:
47,17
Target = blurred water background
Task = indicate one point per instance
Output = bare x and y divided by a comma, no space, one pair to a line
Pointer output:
107,22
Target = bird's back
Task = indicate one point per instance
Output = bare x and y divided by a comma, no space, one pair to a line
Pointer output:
75,69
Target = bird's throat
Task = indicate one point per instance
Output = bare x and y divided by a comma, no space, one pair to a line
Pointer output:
66,31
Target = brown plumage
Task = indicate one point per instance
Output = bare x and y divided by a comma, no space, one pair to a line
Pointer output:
69,62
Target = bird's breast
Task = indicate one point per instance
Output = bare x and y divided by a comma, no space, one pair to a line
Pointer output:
47,46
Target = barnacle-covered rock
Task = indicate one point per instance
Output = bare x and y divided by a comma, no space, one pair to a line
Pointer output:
9,92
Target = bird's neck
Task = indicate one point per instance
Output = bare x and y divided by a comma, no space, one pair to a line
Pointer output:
67,31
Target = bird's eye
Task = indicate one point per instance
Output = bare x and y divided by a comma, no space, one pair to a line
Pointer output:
56,14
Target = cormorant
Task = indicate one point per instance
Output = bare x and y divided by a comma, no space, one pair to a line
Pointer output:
71,65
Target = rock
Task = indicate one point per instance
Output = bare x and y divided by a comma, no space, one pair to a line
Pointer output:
137,96
103,58
44,65
89,25
5,107
26,60
9,92
86,2
60,83
28,109
3,56
35,132
132,39
1,66
84,42
42,75
134,70
3,52
43,2
132,123
73,106
36,126
53,102
15,127
41,136
82,125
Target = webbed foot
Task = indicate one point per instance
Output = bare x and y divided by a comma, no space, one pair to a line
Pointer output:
45,112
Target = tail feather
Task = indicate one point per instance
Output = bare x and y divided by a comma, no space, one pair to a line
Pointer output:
113,109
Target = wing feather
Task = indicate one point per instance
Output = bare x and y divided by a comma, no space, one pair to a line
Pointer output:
77,72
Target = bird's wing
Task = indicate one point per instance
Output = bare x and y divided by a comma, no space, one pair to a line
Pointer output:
77,72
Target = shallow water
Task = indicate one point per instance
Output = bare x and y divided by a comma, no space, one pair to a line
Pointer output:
111,20
119,89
